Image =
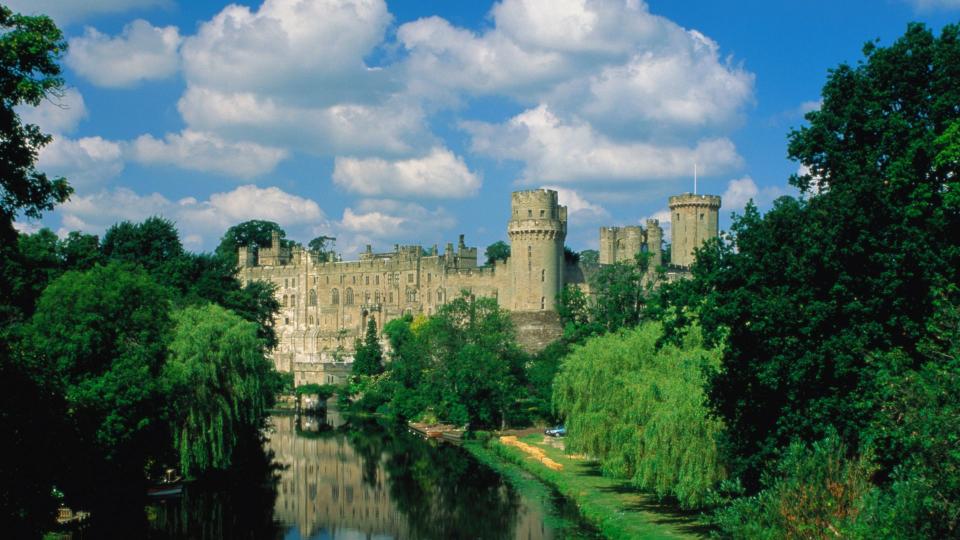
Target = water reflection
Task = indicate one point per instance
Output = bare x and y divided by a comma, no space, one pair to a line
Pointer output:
334,479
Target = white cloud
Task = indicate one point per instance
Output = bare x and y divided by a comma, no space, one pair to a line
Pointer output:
663,217
69,11
56,114
85,162
141,52
565,152
201,223
392,127
287,46
440,174
741,190
207,152
933,5
384,221
608,61
579,208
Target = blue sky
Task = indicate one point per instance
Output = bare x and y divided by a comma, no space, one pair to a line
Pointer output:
411,122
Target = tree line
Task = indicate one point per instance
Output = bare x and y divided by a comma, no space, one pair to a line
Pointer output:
805,381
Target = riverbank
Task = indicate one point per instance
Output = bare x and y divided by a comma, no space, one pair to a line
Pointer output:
613,506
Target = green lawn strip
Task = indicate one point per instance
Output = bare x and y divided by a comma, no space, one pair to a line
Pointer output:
616,508
523,481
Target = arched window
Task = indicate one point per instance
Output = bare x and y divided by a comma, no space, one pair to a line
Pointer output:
348,297
335,297
286,301
312,298
376,297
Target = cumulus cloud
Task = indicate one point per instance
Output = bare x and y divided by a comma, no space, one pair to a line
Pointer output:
85,162
392,127
440,174
200,223
579,208
68,12
742,190
559,151
609,61
56,114
207,152
141,52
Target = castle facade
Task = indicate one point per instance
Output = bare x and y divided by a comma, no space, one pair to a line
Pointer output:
325,305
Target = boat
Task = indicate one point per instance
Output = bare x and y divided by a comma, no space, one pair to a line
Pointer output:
66,517
171,485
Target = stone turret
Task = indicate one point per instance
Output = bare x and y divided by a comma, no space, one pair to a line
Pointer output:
537,230
619,244
694,219
654,243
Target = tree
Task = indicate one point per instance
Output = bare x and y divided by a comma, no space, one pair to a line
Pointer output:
219,385
368,356
642,410
320,245
100,337
811,316
590,257
255,233
30,48
497,251
153,244
475,368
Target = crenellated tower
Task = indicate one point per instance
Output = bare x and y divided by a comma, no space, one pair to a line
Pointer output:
694,219
537,230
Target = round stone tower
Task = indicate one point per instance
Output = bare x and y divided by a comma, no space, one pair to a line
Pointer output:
537,230
694,219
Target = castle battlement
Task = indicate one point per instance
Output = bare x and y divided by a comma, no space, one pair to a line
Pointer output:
326,305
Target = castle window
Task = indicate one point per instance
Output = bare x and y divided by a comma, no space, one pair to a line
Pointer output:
286,282
428,296
341,279
542,212
390,297
312,299
293,300
285,301
439,296
348,297
366,297
376,297
701,217
429,276
327,279
543,302
310,320
678,217
376,280
353,279
529,213
529,259
409,278
543,275
286,320
335,297
367,280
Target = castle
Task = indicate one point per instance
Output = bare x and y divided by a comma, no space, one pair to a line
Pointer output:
325,305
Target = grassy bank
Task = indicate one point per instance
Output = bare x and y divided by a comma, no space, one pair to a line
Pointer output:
613,506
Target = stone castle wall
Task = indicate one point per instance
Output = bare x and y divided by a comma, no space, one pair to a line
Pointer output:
325,305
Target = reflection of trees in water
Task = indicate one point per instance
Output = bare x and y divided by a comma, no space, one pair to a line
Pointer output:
442,491
235,505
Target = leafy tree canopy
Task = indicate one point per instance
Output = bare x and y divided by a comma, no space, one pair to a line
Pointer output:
497,251
30,48
255,233
368,356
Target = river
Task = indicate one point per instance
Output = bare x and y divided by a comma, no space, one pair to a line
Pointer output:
330,479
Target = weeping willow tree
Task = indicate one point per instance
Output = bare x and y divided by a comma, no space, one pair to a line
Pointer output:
220,385
642,412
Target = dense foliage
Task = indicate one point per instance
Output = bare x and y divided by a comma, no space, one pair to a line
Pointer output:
461,366
218,385
844,331
368,355
641,410
497,251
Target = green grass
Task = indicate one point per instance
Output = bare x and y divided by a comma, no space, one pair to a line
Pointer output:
615,507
